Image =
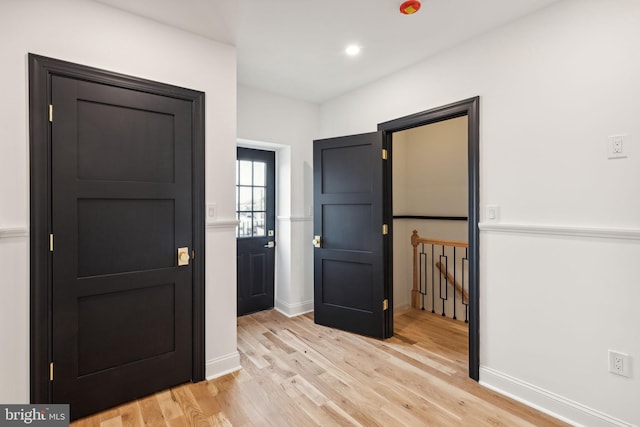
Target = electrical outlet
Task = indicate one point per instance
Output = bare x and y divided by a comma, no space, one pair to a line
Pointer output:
618,146
619,363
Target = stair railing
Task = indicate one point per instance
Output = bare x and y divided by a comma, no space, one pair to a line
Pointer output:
432,278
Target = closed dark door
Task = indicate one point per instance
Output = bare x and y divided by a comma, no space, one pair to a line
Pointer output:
255,210
349,258
121,208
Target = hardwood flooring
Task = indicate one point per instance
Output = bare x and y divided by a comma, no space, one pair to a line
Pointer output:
296,373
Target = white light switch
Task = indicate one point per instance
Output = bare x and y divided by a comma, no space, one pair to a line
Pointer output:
493,213
211,211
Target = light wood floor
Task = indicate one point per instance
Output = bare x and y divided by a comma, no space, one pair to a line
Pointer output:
296,373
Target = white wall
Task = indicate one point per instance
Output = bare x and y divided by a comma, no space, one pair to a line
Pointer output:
91,34
553,86
430,169
289,127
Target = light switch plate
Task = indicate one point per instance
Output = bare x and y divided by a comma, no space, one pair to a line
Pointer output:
493,213
212,211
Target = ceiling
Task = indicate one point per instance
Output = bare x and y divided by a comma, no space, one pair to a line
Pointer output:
296,47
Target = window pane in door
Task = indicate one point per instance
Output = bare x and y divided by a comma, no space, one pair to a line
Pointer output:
244,199
259,173
245,225
259,224
259,198
245,172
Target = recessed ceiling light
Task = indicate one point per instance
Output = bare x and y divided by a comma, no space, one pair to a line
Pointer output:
352,50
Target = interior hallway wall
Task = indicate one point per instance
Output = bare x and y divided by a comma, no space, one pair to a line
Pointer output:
91,34
558,283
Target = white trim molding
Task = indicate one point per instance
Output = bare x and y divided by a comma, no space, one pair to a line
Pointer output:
13,232
562,230
545,401
296,218
293,310
231,223
222,365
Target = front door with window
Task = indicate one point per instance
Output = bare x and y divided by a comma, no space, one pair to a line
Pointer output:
255,211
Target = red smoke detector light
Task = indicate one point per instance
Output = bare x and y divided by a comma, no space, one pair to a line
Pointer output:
410,7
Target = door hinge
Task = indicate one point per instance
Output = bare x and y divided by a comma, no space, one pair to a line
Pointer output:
385,154
51,371
385,229
385,304
51,113
51,242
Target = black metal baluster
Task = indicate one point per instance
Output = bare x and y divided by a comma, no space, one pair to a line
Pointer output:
446,289
423,291
454,283
433,290
465,262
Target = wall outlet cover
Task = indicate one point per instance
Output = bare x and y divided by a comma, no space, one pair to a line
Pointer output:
618,146
619,363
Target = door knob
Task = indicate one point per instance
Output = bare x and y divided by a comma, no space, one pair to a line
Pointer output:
270,245
317,241
183,256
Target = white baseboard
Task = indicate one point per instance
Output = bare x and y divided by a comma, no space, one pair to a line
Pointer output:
401,308
545,401
222,365
293,310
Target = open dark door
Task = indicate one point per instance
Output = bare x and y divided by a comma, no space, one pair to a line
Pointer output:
350,290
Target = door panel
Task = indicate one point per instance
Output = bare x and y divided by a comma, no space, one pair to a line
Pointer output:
347,227
255,199
349,267
107,131
106,341
128,240
121,206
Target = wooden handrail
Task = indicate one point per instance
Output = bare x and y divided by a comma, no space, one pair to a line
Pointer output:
416,240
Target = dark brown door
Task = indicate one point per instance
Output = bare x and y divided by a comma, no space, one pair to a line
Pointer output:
256,213
349,259
121,208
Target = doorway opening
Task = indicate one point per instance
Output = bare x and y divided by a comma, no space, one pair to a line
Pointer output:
443,205
283,235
